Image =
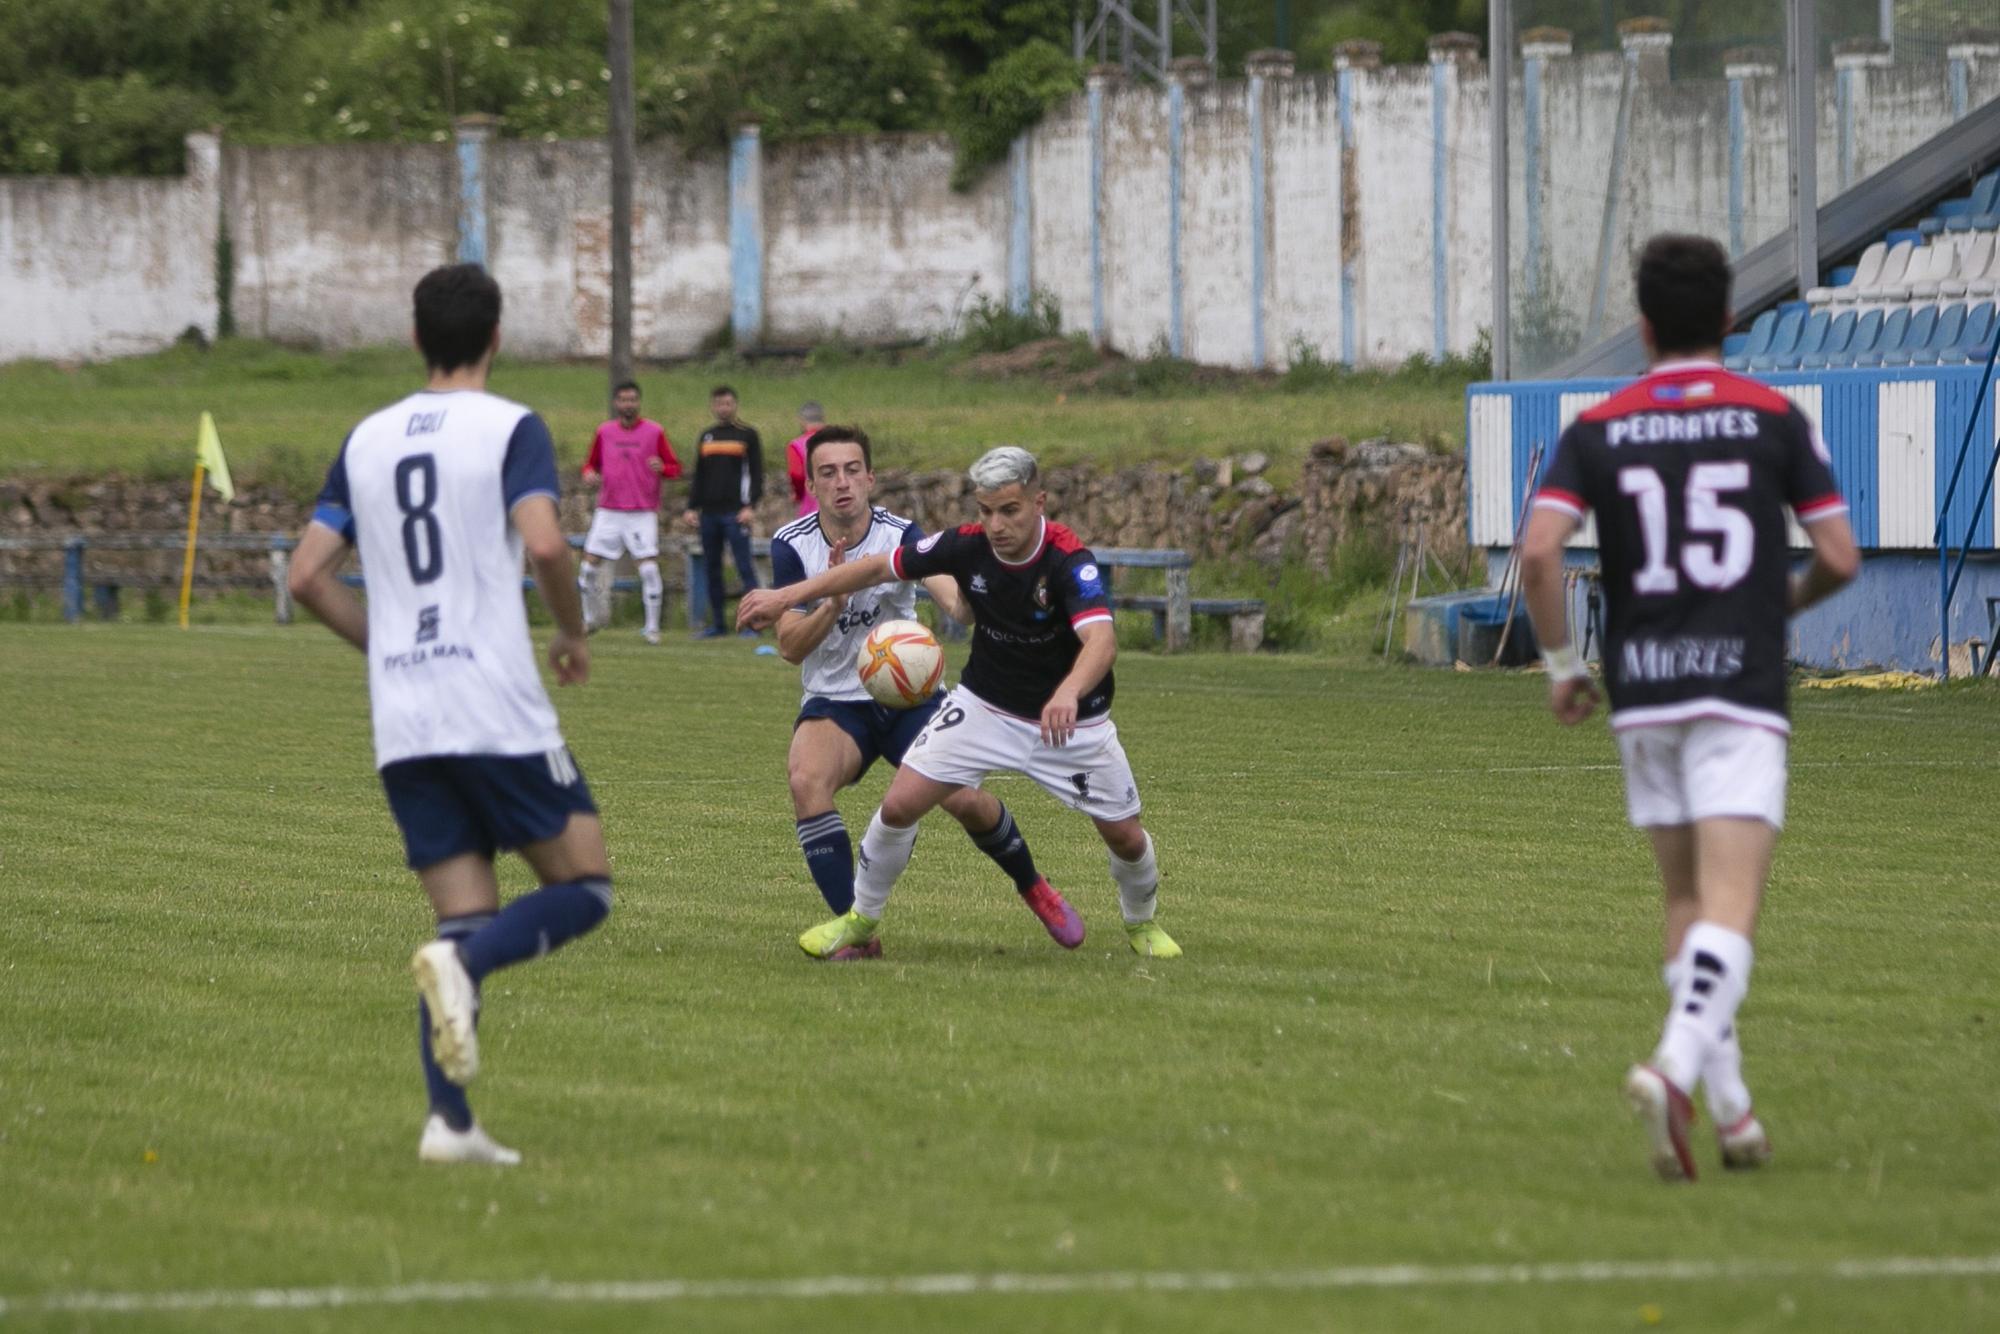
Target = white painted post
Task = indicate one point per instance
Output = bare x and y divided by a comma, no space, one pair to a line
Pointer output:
1180,610
281,588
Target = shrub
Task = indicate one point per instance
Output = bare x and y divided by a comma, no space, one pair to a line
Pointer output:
990,111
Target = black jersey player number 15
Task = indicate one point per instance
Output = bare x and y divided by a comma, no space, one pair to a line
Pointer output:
1721,538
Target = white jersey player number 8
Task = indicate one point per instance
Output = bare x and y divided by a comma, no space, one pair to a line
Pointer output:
423,539
1716,567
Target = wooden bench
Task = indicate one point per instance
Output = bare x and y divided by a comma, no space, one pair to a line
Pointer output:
1174,612
1246,616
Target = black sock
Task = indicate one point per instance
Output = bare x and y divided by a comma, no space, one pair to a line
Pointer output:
1007,847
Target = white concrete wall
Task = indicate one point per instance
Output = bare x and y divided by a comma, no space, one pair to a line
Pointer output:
1059,214
1137,291
863,238
108,267
1215,229
329,239
1304,310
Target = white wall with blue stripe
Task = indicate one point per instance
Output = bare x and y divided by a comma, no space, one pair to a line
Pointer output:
1895,437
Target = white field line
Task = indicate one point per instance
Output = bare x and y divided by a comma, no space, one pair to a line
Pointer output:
660,1291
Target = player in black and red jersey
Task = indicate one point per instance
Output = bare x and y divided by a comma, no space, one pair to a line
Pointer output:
1691,471
1035,698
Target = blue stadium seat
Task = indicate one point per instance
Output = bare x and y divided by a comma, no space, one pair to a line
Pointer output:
1895,329
1732,346
1921,333
1783,339
1949,209
1867,333
1901,234
1950,328
1842,276
1977,340
1758,343
1811,339
1982,210
1832,349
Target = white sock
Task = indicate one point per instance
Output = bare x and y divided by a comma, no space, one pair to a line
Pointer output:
1713,974
1722,1072
654,590
1138,884
885,851
586,588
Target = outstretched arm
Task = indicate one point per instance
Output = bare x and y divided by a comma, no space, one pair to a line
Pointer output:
950,598
762,606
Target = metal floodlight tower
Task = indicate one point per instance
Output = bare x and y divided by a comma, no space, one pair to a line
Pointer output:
1142,47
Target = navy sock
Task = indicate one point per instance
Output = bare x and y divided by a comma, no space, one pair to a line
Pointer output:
536,923
1007,847
830,857
447,1099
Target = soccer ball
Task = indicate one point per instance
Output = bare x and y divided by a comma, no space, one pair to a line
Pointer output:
900,664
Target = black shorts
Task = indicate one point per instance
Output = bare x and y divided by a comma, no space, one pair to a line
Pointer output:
879,732
447,805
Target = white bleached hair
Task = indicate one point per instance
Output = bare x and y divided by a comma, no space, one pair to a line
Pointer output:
1004,466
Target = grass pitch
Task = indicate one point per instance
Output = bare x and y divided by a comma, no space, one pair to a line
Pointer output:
282,414
1422,948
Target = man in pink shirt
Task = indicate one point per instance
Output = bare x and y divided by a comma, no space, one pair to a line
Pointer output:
629,457
811,417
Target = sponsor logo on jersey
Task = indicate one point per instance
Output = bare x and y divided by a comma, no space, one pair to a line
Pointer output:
427,625
1660,661
925,544
978,580
851,619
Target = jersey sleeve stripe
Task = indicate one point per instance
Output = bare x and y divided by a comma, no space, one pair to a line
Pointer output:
1555,498
1826,507
1089,617
896,562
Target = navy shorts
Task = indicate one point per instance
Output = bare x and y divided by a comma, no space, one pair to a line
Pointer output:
880,733
447,805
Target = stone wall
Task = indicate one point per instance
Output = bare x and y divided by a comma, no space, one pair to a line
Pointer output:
1219,509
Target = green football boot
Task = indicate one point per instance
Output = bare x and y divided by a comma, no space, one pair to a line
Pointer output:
1149,939
847,937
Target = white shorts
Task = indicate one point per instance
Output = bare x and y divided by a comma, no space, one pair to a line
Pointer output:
1705,769
615,532
968,739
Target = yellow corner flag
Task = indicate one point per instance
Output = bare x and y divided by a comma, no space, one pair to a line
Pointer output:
207,460
208,452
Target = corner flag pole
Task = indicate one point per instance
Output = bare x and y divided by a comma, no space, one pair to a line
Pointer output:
209,463
194,528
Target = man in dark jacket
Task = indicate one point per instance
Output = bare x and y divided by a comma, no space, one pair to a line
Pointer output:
722,501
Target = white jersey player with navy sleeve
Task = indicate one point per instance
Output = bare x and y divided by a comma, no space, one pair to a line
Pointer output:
424,489
449,496
801,550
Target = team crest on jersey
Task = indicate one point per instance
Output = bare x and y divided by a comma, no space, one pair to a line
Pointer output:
1684,393
1042,594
